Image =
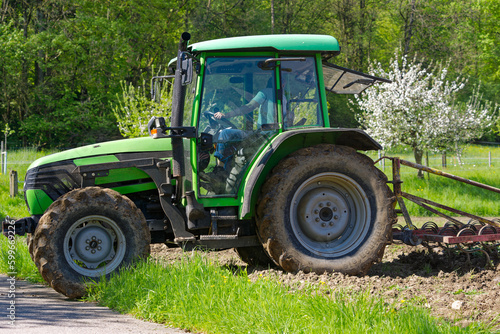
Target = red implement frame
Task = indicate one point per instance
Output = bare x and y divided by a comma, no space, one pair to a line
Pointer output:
439,234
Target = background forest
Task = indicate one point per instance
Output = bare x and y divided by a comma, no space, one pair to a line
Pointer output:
64,64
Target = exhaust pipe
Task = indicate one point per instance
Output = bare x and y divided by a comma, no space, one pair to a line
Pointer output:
178,115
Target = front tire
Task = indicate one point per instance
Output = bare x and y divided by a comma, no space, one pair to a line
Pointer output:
29,243
325,208
86,234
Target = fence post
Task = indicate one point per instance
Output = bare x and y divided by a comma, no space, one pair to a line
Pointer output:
13,183
427,162
443,159
1,158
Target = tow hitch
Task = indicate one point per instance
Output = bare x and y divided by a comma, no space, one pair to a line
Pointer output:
18,227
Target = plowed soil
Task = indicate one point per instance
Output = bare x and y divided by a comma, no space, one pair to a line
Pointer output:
445,282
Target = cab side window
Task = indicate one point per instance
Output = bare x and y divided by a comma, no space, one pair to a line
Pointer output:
301,98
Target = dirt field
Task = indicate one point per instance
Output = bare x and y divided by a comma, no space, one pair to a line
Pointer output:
446,284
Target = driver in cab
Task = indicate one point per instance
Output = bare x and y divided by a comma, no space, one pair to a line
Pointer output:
265,101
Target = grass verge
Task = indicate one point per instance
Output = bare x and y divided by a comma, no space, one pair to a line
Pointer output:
16,261
201,296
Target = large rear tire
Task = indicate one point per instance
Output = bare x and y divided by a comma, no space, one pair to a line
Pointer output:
325,208
86,234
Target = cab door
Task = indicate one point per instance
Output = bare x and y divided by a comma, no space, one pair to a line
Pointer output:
242,90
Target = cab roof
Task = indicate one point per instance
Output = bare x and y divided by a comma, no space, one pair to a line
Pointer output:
288,43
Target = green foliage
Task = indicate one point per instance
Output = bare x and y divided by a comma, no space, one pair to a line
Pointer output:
63,63
134,107
71,59
70,124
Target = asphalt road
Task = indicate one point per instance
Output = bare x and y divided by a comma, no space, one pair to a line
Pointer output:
32,308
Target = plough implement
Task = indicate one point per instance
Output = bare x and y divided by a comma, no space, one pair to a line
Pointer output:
477,235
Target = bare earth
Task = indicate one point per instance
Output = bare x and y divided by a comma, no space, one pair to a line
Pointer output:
447,284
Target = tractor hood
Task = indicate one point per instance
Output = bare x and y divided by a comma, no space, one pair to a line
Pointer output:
50,177
143,145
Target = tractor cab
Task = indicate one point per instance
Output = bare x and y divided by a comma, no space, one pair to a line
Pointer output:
241,93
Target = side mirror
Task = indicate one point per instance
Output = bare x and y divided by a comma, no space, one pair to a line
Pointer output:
186,65
156,126
156,86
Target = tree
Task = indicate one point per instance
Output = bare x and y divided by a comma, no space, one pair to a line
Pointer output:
462,122
134,108
419,108
355,24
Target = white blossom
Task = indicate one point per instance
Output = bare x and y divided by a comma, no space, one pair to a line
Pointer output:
419,109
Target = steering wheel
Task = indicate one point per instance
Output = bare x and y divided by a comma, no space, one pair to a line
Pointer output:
218,124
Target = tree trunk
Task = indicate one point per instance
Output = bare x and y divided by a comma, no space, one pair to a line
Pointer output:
272,16
408,33
459,151
418,153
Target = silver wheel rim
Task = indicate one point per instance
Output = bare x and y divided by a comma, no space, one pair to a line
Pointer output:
94,246
330,214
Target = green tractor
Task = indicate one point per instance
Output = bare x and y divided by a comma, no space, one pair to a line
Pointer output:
249,161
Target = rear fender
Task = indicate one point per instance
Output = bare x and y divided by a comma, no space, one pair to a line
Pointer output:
291,141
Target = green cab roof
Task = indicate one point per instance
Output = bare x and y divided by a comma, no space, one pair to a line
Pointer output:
294,42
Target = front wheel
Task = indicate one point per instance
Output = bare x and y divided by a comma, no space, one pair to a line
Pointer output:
86,234
325,208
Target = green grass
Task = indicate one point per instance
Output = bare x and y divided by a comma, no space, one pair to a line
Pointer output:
15,260
11,206
455,194
20,159
197,295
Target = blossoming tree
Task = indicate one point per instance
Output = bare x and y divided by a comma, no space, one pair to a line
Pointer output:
419,108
